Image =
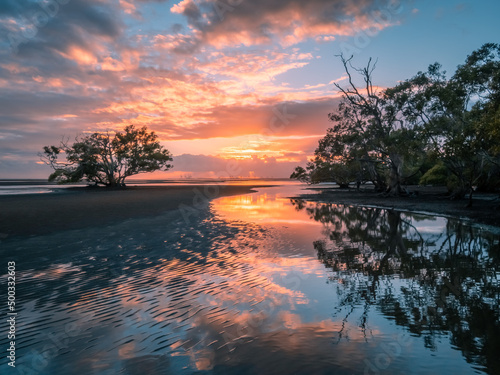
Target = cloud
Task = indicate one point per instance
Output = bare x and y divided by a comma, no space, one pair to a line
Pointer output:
216,167
280,119
253,69
44,29
84,69
287,22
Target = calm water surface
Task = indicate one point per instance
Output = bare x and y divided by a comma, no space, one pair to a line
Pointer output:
260,284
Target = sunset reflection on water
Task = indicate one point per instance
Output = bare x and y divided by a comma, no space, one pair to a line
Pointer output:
269,207
256,284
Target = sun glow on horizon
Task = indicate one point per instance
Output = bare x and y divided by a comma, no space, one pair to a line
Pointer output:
209,84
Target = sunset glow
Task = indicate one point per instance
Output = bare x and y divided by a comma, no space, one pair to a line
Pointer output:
251,81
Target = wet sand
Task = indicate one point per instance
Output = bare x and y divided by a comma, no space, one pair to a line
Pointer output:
133,288
485,208
78,208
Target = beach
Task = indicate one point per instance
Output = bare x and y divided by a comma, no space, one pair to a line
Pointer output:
82,207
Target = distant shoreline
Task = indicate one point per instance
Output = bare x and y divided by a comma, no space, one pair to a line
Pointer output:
428,200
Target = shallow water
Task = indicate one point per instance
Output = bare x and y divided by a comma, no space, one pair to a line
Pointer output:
260,284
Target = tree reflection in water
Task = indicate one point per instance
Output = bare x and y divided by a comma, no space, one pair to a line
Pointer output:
431,283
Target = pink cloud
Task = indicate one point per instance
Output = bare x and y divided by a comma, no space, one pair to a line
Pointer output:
287,22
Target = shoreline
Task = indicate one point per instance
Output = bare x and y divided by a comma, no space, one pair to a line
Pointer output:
27,215
429,201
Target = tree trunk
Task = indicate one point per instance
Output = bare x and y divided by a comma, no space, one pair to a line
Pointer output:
375,177
394,188
469,204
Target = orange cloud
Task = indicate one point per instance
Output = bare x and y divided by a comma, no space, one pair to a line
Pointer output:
287,22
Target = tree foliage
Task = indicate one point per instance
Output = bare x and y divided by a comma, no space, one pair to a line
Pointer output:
107,159
386,136
457,115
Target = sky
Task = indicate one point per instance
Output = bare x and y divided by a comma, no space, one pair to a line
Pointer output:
237,88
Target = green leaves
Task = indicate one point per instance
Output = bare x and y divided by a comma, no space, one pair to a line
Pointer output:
108,159
391,133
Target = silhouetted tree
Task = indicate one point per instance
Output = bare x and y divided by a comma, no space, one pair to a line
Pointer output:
370,141
389,137
458,115
105,159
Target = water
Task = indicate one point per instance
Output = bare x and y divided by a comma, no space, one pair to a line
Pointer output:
260,284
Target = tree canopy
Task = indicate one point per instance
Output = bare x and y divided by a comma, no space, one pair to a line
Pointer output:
429,127
107,159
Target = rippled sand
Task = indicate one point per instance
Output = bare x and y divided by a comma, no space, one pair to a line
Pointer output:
238,289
